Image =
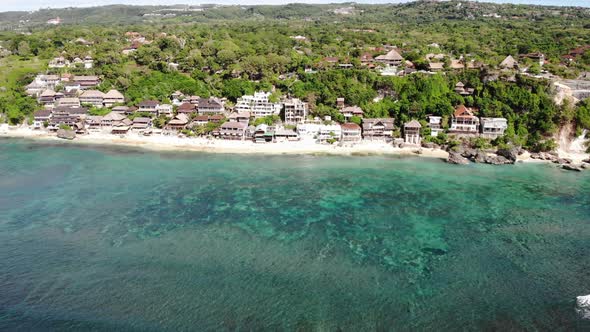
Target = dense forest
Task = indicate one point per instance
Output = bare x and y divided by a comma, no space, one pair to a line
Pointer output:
229,51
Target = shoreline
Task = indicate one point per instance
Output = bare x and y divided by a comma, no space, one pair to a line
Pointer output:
174,143
195,144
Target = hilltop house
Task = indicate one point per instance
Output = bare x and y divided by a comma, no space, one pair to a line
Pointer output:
295,111
412,132
536,56
464,121
259,105
392,58
493,127
462,90
59,62
380,129
112,98
509,63
351,133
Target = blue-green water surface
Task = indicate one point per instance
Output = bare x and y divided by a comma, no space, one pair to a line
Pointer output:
116,239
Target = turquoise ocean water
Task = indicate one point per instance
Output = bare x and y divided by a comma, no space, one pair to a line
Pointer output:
116,239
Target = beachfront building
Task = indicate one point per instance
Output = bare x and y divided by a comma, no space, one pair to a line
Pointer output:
435,125
40,118
233,130
282,135
141,123
112,119
66,116
493,127
412,132
210,106
149,106
392,58
329,132
179,122
92,97
259,105
351,111
201,120
378,129
93,122
121,127
351,133
263,133
243,117
464,121
295,111
112,98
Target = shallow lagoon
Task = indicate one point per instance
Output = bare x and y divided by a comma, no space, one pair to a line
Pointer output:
110,238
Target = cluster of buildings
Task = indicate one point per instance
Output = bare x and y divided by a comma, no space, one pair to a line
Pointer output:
68,84
62,62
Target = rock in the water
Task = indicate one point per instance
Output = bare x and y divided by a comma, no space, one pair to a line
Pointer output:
469,153
510,154
498,160
583,306
563,161
66,134
457,158
571,167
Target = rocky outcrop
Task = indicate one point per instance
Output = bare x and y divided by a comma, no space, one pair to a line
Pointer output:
430,145
498,160
571,167
510,153
66,134
457,158
563,161
544,156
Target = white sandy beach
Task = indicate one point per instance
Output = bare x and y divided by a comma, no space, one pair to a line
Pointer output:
174,143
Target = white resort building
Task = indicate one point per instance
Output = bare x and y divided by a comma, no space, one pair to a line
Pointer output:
258,105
